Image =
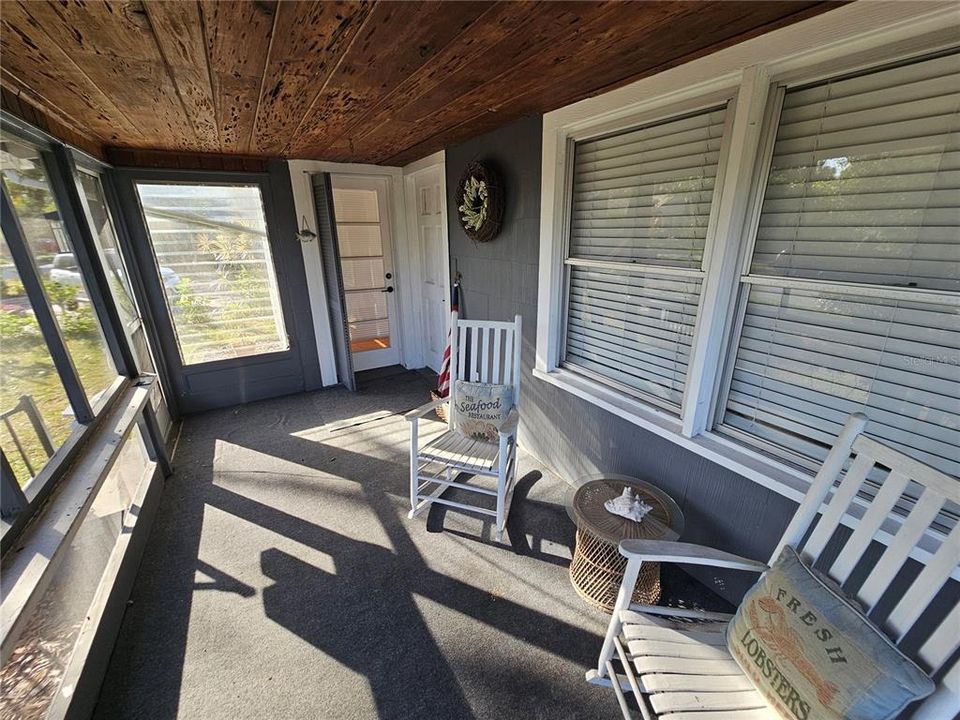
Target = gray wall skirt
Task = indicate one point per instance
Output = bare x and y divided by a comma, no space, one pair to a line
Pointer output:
570,435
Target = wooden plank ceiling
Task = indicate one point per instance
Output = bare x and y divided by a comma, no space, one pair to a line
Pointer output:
381,82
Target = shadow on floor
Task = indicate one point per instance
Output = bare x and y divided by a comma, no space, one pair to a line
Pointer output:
282,579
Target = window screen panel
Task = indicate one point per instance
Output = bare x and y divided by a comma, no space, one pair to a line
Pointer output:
644,196
864,184
809,358
633,329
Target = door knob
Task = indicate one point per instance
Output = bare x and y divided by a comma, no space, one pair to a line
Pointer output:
389,288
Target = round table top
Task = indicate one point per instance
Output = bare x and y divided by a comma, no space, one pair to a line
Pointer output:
663,522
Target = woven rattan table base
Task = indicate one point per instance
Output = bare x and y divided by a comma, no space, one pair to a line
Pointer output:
597,571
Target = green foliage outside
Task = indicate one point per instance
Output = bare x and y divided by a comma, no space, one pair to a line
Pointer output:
231,316
27,369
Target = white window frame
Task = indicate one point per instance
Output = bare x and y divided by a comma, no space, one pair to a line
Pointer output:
851,38
710,102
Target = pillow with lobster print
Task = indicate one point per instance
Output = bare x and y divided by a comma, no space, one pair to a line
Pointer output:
813,654
479,409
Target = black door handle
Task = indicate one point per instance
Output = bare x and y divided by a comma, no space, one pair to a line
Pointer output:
389,288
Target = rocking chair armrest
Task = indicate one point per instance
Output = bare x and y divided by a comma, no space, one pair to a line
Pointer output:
509,427
415,415
686,554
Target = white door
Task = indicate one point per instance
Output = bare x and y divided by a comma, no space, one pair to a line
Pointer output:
366,263
429,203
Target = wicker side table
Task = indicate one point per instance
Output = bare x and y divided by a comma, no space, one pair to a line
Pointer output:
597,567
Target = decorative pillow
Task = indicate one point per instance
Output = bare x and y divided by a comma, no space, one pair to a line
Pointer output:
813,654
480,409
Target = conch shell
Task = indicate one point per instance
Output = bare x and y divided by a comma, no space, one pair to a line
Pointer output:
628,505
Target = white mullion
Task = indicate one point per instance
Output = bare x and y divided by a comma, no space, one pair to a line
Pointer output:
884,292
741,294
637,268
747,135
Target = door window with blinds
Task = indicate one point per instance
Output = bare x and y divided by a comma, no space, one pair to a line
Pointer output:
640,215
852,298
364,267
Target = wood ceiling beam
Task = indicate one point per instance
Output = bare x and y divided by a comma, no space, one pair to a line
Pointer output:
28,110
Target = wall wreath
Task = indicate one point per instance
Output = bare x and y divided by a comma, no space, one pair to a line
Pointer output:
480,202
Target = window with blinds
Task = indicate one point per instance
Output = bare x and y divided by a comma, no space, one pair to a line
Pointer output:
852,301
640,212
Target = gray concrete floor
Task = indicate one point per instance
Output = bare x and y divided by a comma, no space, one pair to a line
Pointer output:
282,579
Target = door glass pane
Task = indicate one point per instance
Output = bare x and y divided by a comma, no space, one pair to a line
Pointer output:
27,182
36,413
213,256
356,205
361,263
106,240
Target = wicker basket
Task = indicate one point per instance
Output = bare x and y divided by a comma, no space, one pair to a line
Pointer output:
440,410
597,570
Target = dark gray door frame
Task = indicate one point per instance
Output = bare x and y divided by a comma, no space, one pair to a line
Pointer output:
232,381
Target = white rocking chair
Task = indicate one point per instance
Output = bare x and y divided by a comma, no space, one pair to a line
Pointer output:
675,661
481,351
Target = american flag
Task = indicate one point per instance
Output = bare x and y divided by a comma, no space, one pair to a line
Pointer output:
443,381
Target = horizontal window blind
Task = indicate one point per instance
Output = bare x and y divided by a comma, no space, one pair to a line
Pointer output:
863,191
640,212
809,358
864,185
644,196
633,329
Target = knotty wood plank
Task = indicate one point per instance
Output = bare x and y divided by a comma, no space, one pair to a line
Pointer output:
308,42
501,38
638,40
114,46
178,32
342,81
501,21
396,40
38,63
238,36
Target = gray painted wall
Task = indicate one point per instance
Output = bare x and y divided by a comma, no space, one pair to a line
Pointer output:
570,435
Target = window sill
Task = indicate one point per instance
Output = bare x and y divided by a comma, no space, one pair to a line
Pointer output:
786,481
40,548
778,477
